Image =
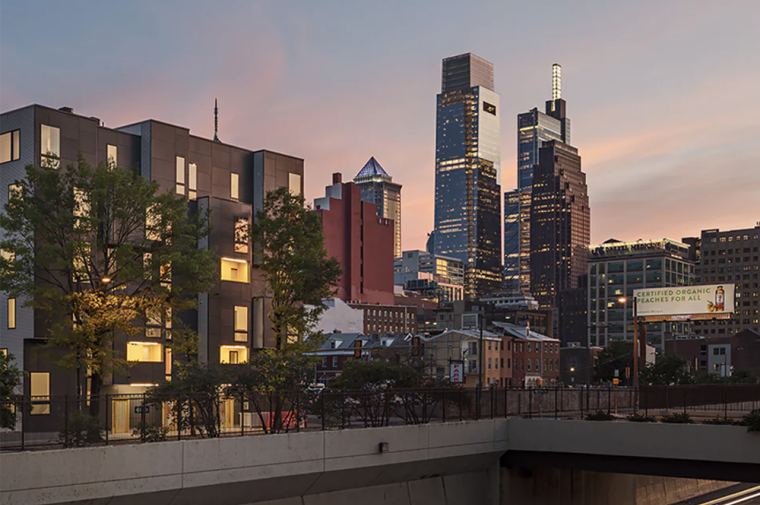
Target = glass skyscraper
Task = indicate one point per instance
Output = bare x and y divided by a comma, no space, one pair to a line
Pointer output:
467,190
378,188
533,129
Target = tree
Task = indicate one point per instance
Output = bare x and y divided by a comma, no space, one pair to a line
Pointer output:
616,356
287,238
667,370
10,381
100,252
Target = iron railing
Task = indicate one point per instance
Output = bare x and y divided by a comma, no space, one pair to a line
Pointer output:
69,421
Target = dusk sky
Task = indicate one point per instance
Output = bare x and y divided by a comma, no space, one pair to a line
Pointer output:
663,96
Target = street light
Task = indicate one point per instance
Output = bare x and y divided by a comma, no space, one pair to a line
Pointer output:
623,300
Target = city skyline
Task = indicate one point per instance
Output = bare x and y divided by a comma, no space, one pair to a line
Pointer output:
652,101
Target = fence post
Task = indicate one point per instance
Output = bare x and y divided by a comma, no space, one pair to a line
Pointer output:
242,414
461,401
725,403
343,410
684,401
581,402
323,397
108,425
142,418
179,418
530,403
506,401
493,401
23,419
443,403
477,403
556,405
609,400
65,420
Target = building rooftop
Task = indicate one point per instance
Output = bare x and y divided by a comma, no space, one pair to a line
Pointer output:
372,167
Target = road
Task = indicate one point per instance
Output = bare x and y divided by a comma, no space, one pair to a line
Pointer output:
741,494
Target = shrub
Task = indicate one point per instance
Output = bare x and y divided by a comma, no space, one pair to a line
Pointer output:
82,430
151,432
721,421
677,418
638,417
600,415
752,420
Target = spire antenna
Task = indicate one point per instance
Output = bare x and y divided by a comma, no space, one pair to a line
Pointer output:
556,81
216,121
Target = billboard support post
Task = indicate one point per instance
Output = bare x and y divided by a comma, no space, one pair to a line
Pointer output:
635,350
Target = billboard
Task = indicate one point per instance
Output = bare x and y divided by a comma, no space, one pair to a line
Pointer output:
456,371
710,301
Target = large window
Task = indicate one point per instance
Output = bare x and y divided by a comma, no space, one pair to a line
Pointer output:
241,235
233,354
180,175
40,392
241,324
294,183
11,313
234,270
192,180
147,352
50,141
234,186
9,146
111,154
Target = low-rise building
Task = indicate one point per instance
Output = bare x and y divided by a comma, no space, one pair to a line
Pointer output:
719,355
576,364
535,357
465,345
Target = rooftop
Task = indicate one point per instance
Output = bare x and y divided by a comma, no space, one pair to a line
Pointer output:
371,168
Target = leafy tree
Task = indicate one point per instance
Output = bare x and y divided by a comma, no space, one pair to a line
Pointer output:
10,381
667,370
99,252
379,374
616,356
287,238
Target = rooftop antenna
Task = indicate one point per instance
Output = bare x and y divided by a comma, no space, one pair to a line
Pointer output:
556,81
216,121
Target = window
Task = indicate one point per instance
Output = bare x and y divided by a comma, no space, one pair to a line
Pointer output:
234,270
241,235
294,183
50,141
152,225
11,313
233,354
9,146
192,180
241,324
40,391
168,363
335,362
111,154
145,352
491,109
180,175
234,186
15,190
489,363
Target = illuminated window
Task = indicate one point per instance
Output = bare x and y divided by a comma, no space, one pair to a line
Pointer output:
11,310
152,225
15,190
241,324
9,146
234,186
50,142
233,354
180,175
39,389
234,270
111,154
192,180
241,235
294,183
144,352
168,363
148,265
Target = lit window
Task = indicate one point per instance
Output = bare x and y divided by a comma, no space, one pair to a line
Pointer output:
111,155
15,190
40,391
9,146
180,177
168,363
233,354
241,324
11,313
50,141
145,352
148,265
192,180
294,183
152,225
234,270
234,186
241,235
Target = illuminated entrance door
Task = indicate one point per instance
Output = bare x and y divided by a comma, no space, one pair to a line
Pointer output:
120,421
227,411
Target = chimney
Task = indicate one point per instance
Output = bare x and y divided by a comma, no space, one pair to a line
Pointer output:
337,178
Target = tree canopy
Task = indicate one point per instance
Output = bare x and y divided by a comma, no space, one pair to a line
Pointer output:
289,247
101,251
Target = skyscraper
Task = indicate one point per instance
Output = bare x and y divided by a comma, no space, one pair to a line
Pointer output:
467,191
378,188
560,223
533,129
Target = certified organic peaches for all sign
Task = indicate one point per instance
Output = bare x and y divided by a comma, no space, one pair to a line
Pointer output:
685,301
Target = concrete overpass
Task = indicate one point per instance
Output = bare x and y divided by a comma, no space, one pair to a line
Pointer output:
489,461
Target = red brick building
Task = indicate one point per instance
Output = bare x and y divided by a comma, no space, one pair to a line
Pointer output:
360,240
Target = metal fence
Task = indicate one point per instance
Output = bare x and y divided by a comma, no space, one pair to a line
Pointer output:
68,421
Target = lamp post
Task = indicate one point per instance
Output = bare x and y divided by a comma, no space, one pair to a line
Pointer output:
623,301
572,375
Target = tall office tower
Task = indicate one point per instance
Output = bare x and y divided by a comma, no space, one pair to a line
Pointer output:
467,191
378,188
560,223
533,129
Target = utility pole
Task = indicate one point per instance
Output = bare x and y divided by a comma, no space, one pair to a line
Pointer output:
480,358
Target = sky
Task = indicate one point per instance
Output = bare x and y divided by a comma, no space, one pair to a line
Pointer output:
663,96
